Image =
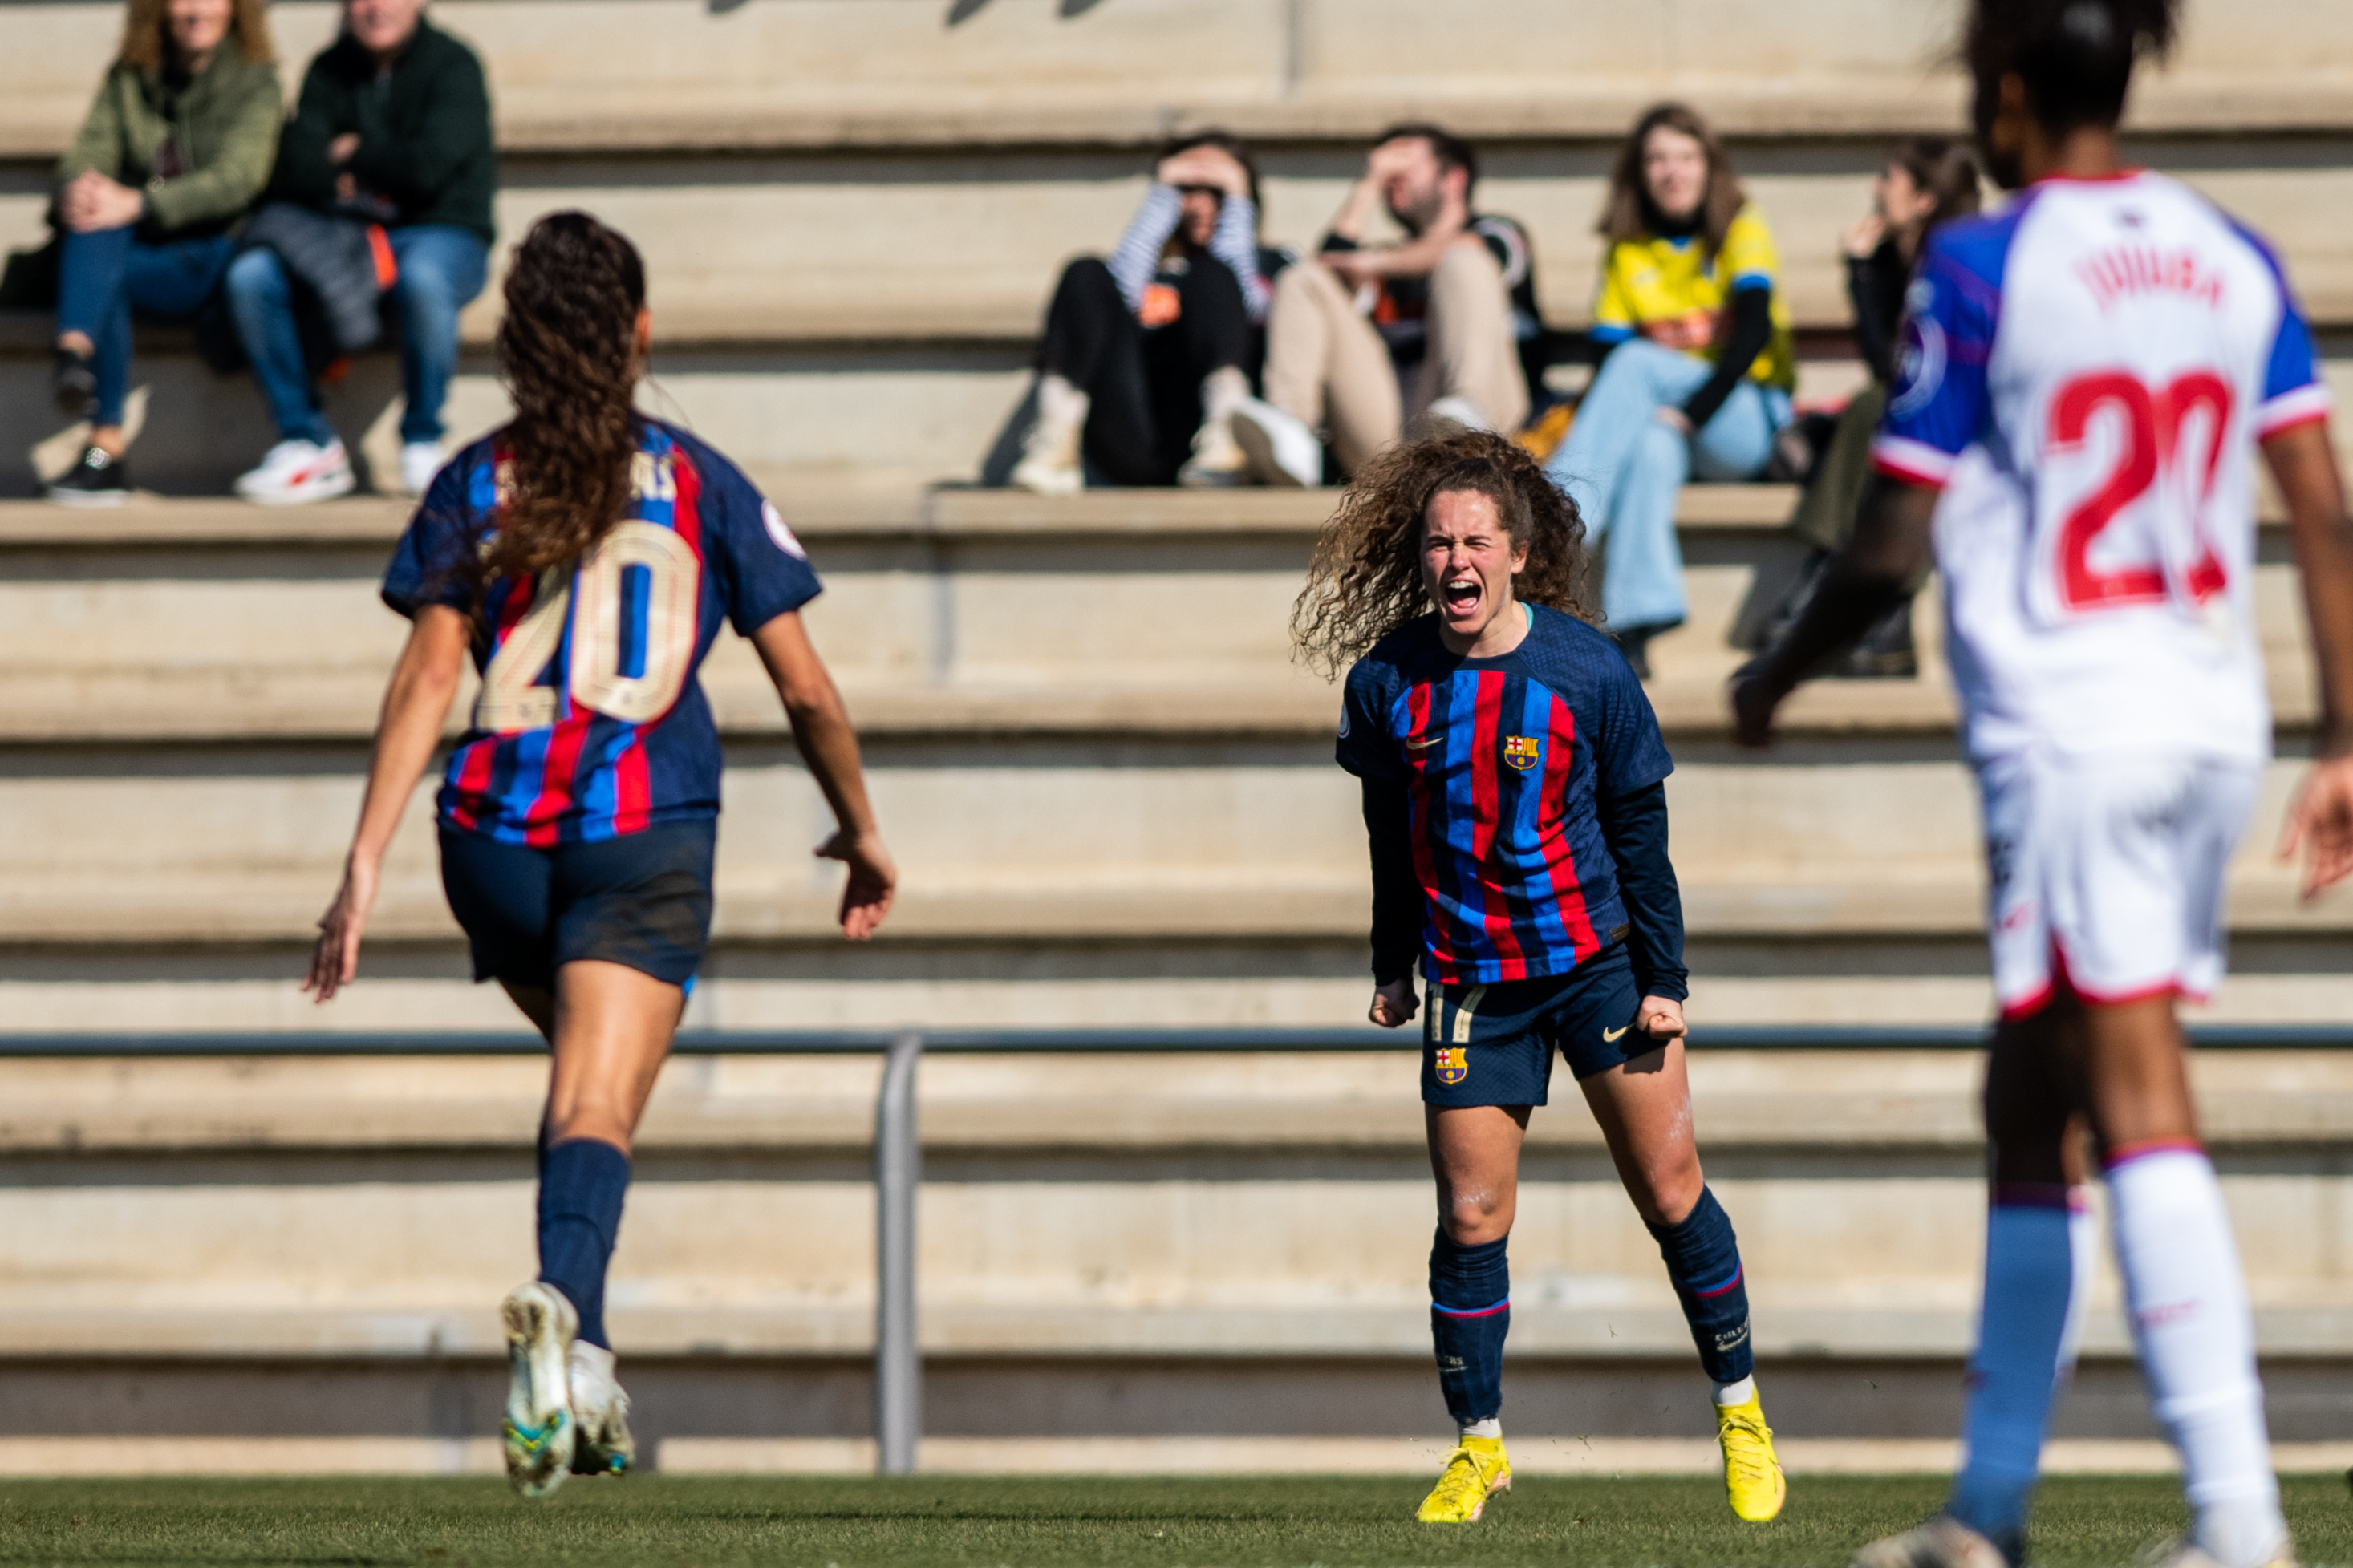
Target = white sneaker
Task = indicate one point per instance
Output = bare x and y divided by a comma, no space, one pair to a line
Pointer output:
601,1410
1281,449
1217,459
293,472
538,1433
1050,464
419,461
1453,416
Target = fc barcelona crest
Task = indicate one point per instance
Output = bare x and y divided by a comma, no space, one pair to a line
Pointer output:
1521,751
1453,1064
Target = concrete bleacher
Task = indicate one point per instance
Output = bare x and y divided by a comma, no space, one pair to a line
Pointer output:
1110,789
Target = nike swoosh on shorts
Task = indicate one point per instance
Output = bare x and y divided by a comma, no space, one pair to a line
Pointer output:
1609,1037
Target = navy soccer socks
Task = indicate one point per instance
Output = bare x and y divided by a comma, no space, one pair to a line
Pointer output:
1469,1313
581,1185
1703,1264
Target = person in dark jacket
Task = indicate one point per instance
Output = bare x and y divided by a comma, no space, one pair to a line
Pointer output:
393,128
1926,181
175,149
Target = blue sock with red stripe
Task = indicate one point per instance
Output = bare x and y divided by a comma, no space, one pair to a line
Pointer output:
1704,1263
582,1182
1469,1313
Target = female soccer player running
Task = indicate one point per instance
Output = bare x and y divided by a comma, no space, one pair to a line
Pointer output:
587,555
1514,790
2086,376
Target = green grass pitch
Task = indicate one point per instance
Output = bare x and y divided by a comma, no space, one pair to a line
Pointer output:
1082,1522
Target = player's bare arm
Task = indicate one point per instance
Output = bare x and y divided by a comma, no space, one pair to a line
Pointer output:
2320,824
1869,578
416,706
829,746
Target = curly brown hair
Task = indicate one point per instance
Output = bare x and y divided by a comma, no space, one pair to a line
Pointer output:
1366,580
568,353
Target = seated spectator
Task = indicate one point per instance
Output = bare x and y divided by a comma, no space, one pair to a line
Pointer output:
1926,180
1364,340
1147,354
177,145
1697,370
393,126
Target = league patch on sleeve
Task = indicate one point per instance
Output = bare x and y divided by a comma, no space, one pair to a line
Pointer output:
786,540
1920,362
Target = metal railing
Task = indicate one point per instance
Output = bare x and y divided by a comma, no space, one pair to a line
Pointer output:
898,1148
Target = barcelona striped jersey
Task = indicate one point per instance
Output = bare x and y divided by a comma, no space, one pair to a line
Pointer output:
591,723
1500,759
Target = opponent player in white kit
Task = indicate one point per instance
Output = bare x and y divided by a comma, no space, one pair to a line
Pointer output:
2086,376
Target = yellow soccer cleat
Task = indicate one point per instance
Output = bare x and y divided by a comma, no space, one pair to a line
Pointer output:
1752,1476
1474,1472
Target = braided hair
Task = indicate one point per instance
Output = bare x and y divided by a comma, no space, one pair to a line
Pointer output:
1366,580
568,353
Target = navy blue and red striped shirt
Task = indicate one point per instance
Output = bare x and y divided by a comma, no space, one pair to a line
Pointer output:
591,723
1501,764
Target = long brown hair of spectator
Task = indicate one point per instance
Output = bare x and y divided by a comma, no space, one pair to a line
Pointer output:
1943,168
1366,580
1225,141
147,33
567,351
1629,214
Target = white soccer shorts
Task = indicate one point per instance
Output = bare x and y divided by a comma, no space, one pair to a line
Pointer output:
2108,876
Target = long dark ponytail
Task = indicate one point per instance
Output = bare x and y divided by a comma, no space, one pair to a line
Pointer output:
567,352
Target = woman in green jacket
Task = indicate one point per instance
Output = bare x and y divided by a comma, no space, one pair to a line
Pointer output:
178,144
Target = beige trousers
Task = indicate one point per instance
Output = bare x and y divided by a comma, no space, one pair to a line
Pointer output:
1327,367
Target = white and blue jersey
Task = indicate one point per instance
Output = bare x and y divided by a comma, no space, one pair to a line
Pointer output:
2086,375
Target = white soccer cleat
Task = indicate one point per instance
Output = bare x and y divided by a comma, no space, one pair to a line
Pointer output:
2187,1554
294,472
1943,1542
419,461
600,1411
1281,450
538,1433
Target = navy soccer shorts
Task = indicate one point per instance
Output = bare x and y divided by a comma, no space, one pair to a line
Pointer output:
1492,1045
641,899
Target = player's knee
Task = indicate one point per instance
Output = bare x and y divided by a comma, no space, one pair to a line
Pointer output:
1471,1219
1666,1191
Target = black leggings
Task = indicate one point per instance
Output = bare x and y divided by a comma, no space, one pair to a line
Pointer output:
1145,381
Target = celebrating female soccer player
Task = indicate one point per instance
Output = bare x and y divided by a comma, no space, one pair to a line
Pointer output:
1514,790
588,555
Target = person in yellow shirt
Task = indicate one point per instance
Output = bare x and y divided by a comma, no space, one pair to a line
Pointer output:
1698,364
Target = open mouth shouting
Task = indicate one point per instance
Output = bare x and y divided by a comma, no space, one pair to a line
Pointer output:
1461,594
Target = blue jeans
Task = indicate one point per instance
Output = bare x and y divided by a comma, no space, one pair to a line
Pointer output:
441,268
105,275
1622,468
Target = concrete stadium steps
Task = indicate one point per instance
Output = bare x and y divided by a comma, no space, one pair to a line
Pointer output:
331,1209
922,412
1140,826
937,246
166,621
667,73
851,240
